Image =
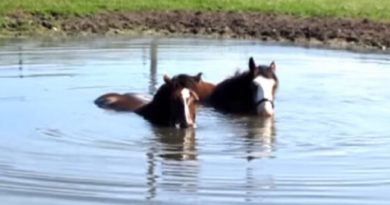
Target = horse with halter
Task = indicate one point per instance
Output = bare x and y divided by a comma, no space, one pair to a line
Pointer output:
173,105
251,92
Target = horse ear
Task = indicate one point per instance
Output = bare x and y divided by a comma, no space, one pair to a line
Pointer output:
252,66
167,79
198,77
273,66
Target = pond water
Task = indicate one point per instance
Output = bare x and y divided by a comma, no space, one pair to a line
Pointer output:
329,142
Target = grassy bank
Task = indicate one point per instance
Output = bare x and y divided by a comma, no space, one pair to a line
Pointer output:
371,9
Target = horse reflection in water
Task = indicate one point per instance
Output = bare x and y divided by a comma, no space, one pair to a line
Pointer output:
260,138
176,144
172,161
173,157
254,136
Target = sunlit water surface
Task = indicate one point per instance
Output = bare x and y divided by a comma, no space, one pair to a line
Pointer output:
328,144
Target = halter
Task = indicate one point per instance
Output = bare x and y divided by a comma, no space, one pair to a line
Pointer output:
265,100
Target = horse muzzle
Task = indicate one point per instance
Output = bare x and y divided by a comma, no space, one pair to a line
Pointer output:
265,107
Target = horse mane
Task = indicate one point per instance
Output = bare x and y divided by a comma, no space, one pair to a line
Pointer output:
186,81
233,94
182,80
236,79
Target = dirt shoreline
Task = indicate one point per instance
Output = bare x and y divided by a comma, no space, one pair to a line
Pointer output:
324,32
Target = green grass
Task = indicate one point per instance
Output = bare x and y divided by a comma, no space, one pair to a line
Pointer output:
371,9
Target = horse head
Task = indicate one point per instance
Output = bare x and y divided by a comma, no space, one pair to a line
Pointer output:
265,83
183,100
250,92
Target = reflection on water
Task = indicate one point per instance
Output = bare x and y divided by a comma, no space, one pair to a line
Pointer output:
176,144
327,144
20,62
173,146
153,67
260,137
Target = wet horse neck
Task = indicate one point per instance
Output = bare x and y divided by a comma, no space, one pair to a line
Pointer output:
158,110
155,113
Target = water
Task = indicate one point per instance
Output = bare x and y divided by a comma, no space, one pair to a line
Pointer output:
328,144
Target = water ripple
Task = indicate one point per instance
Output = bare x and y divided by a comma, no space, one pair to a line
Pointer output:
327,144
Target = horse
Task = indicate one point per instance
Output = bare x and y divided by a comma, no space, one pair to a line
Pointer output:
249,93
173,105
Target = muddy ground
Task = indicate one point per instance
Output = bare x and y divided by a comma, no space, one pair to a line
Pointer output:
327,32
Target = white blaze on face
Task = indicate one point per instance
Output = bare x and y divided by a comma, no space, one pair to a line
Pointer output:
264,91
186,94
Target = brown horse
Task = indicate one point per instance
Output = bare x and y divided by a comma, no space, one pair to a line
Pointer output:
174,103
250,92
203,89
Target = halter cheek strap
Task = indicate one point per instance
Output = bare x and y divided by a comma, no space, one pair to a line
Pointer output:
265,100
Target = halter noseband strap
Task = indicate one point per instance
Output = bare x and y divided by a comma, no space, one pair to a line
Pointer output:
265,100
